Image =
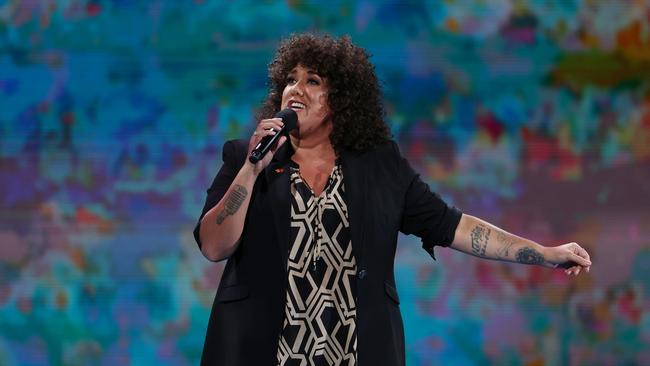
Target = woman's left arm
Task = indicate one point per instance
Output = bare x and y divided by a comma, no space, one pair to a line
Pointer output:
482,239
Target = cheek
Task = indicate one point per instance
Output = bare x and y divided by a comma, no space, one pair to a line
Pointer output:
322,103
285,95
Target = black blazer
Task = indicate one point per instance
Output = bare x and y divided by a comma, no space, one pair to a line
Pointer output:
385,196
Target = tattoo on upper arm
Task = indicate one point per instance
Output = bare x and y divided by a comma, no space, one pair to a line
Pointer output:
480,235
506,243
529,256
234,200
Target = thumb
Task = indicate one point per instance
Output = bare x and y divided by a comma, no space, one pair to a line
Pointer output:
271,153
581,261
280,142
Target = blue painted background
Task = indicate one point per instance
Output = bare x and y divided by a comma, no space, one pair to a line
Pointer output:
534,115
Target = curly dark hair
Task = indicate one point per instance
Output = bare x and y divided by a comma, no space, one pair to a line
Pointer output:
354,95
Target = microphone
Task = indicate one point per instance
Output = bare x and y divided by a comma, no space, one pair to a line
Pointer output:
290,120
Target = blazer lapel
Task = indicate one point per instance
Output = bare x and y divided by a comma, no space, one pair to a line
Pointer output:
277,177
354,177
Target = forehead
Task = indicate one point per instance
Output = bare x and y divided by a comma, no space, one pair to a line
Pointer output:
301,68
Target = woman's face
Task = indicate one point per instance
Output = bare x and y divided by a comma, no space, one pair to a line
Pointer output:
306,93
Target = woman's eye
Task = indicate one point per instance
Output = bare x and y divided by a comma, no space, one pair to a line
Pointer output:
292,80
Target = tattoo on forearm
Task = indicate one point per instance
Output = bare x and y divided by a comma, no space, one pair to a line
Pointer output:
480,235
529,256
234,200
506,243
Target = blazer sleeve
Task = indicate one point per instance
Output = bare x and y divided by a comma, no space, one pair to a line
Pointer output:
425,214
233,155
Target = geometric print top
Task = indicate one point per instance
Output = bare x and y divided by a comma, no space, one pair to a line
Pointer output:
319,325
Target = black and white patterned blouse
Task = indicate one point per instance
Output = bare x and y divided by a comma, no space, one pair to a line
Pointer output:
320,314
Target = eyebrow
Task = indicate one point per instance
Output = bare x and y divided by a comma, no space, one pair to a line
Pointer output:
311,72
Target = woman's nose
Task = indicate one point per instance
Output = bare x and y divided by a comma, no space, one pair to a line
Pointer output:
298,89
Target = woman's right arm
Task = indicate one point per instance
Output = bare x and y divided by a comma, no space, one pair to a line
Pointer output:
222,225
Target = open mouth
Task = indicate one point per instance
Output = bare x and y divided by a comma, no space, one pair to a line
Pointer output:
296,106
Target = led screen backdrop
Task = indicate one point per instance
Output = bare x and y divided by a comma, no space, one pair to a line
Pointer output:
534,115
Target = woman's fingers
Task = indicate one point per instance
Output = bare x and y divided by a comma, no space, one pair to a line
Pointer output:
264,132
569,271
574,259
266,127
269,126
580,260
584,254
574,256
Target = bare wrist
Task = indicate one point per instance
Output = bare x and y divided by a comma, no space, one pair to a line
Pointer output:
249,171
546,254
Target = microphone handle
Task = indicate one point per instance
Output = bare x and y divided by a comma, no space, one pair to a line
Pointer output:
264,146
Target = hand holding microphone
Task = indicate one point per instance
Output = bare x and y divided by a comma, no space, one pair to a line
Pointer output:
273,134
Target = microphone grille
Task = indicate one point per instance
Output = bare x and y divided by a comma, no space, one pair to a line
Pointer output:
289,118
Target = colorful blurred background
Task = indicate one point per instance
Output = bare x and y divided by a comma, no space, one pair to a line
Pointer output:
534,115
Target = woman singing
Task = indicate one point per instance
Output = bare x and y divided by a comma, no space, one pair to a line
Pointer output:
310,230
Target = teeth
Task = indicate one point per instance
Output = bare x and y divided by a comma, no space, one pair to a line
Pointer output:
297,105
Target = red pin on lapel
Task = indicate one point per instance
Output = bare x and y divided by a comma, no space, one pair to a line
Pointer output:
279,170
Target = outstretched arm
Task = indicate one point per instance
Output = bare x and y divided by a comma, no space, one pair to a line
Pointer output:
482,239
